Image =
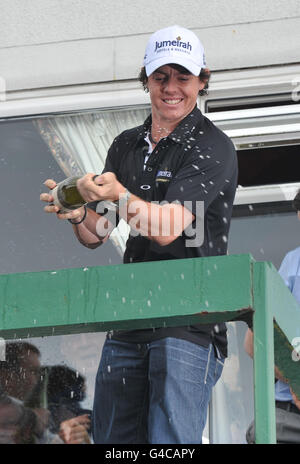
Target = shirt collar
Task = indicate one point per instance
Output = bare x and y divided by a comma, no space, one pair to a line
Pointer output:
185,129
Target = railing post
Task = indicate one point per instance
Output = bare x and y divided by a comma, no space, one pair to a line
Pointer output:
264,394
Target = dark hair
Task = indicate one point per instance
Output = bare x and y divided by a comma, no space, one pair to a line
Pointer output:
204,76
296,201
15,352
66,383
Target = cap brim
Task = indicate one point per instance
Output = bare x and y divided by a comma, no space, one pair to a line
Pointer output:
188,64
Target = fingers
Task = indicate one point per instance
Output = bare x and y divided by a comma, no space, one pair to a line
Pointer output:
104,178
97,180
107,177
48,198
78,435
78,420
92,187
88,188
50,183
84,420
74,432
75,215
51,209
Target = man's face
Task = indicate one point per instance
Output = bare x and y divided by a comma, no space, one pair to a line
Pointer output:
20,382
29,373
173,95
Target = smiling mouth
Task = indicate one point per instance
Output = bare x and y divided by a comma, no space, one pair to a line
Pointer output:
173,101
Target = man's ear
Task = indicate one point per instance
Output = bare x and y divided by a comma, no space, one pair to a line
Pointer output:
205,75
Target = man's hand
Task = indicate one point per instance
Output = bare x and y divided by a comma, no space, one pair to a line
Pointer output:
103,187
74,431
76,215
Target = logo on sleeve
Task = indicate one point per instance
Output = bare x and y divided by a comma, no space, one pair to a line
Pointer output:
163,176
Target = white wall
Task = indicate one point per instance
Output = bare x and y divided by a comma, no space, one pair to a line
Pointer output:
45,43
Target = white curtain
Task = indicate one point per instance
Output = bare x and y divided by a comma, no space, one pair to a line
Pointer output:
80,143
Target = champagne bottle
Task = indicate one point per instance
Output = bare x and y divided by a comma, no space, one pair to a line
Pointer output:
66,195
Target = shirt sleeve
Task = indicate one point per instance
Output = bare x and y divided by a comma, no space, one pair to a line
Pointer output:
111,162
287,270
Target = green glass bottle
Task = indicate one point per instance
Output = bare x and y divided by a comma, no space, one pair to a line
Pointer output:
66,195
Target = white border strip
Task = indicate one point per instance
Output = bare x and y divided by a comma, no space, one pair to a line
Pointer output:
263,130
254,112
66,103
266,193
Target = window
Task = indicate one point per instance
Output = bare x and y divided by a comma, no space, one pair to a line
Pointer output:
253,101
267,141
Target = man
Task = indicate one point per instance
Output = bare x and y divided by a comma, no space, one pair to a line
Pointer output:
19,376
287,404
20,372
154,386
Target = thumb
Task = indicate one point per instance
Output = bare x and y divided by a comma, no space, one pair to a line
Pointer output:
97,179
105,178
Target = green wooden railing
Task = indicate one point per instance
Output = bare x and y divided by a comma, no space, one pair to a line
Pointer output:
165,293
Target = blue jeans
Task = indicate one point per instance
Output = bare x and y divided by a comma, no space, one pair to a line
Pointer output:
153,393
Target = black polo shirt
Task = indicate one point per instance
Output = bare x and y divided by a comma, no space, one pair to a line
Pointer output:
195,165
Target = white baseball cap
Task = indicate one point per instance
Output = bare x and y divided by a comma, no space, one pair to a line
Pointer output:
177,45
